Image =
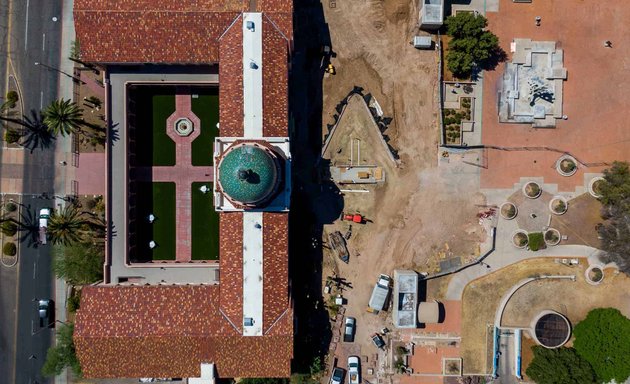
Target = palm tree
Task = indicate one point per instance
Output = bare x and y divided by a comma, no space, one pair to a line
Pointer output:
35,133
67,225
63,117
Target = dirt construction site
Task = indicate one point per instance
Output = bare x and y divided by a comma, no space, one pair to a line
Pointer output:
416,215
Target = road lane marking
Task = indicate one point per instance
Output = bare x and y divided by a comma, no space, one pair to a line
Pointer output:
43,42
34,270
26,26
41,99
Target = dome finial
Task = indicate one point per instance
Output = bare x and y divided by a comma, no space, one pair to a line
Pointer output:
244,174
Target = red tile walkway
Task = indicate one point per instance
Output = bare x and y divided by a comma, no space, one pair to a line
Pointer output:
183,173
90,174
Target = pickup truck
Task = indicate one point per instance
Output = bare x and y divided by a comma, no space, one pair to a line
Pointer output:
354,370
380,294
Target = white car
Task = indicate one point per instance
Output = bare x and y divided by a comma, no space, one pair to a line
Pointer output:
354,370
44,215
337,376
348,334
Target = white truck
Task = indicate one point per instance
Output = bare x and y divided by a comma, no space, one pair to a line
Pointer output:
380,294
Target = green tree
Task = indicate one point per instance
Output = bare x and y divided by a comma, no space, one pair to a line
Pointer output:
603,339
63,117
471,44
35,133
79,263
616,188
62,355
66,226
559,366
615,198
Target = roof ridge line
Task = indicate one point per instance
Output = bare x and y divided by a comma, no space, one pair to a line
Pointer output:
152,11
230,26
230,321
276,27
277,320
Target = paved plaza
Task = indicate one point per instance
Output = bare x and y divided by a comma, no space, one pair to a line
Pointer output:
595,100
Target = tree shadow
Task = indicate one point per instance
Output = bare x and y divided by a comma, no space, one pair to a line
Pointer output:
34,133
29,228
497,56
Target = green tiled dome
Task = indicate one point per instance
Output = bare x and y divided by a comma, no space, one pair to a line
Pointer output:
248,174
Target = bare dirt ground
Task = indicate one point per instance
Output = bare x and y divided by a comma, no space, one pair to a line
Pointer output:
417,213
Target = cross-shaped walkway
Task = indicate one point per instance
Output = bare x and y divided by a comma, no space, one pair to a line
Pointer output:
183,173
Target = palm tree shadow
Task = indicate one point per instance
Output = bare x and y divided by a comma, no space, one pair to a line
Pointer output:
35,133
113,134
29,228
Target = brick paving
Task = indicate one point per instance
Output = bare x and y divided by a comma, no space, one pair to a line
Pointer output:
183,173
90,174
595,93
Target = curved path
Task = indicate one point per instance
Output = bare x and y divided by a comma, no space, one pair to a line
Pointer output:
506,255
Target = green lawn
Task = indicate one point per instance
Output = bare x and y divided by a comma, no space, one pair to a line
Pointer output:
153,106
205,225
158,199
206,107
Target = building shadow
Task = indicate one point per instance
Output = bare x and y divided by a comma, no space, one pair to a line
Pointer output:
315,201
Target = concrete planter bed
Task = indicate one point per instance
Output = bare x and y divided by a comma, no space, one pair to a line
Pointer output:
594,187
566,166
552,236
558,205
519,238
508,210
532,190
594,274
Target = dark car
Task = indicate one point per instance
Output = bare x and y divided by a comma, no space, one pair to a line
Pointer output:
337,376
348,334
378,341
46,309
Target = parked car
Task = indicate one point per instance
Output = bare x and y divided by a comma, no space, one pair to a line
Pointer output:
337,375
44,215
354,370
348,334
377,340
46,309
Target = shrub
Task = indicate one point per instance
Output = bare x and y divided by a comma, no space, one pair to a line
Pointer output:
9,249
74,302
562,365
12,136
8,228
536,241
12,98
11,207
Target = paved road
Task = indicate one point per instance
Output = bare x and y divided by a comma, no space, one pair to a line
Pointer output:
33,37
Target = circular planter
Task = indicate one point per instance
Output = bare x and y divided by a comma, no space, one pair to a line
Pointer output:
558,205
552,236
594,274
566,166
184,127
594,186
519,238
508,210
532,190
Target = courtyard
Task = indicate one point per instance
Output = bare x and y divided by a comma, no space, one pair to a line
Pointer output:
171,144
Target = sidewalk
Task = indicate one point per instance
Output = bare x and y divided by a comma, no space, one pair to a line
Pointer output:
63,149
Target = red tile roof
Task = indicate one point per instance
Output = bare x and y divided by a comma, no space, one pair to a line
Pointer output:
149,31
231,266
275,267
231,81
275,81
168,331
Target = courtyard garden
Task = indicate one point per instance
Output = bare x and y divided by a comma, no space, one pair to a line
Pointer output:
453,120
153,106
205,104
157,199
205,225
